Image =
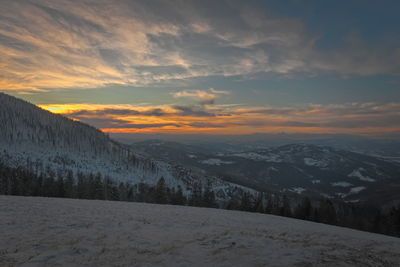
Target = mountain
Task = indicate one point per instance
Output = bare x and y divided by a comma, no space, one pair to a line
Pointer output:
385,145
301,168
50,144
70,232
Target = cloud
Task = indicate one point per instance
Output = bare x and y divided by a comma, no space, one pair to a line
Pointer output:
144,126
124,112
86,44
202,96
103,110
191,111
356,118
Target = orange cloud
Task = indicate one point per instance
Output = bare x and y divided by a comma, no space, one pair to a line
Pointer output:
364,118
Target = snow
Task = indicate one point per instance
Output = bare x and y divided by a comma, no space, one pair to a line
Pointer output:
213,161
297,190
357,173
316,181
258,157
387,158
315,163
67,232
119,169
352,191
341,195
342,184
356,190
37,140
272,168
192,156
326,195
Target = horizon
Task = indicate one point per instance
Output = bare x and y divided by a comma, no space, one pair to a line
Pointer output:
237,68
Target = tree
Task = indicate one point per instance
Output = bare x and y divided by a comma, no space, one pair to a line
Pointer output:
69,185
209,197
269,207
81,187
304,209
60,187
286,209
327,212
178,197
258,204
160,192
245,203
196,199
233,203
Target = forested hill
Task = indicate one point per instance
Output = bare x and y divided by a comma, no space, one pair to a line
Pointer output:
23,122
40,141
45,143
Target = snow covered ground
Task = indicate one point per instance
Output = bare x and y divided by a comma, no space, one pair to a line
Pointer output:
67,232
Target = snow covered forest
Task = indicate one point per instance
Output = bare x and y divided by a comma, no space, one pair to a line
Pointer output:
44,154
18,181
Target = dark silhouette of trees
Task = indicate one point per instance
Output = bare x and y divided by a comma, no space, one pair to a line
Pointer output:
209,197
304,210
285,209
258,204
160,192
327,212
19,181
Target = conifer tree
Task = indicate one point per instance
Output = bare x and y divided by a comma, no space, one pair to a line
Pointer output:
245,203
258,204
160,192
286,209
304,209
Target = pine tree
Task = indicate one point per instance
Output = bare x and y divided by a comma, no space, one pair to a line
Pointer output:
60,187
327,212
245,203
177,197
209,197
270,206
258,204
160,193
196,199
69,185
304,209
286,209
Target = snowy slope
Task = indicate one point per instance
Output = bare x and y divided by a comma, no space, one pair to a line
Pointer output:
303,168
67,232
33,138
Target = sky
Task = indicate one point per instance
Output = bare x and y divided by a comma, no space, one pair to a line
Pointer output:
207,67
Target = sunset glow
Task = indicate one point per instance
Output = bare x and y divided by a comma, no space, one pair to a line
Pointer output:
256,67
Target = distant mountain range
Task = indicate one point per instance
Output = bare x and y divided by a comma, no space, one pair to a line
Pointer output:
306,169
44,142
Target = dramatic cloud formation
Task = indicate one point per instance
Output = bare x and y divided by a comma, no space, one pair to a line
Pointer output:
366,118
268,64
67,44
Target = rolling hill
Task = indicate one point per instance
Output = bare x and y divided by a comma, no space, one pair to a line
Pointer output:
67,232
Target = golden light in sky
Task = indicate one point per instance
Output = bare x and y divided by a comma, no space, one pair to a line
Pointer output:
188,69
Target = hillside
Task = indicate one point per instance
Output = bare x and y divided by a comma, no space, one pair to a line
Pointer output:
67,232
49,144
317,171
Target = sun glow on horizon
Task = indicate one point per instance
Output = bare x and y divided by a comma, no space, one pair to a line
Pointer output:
221,120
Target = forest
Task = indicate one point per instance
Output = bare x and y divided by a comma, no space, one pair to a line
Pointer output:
22,182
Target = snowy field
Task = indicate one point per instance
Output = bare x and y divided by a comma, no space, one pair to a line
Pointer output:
67,232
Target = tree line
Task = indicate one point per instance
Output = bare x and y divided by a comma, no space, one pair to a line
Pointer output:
22,182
